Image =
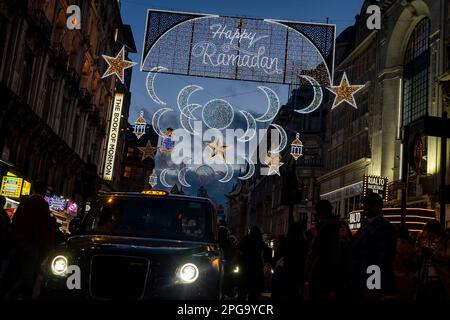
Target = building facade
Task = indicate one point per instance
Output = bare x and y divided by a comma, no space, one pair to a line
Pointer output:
56,108
403,67
136,170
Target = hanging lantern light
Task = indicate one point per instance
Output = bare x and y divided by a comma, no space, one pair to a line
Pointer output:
140,126
153,180
297,147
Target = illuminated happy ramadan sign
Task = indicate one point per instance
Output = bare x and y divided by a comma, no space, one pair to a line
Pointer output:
237,48
243,43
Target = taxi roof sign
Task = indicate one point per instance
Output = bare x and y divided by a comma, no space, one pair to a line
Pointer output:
155,192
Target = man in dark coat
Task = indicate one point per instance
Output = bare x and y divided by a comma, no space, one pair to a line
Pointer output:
373,245
322,262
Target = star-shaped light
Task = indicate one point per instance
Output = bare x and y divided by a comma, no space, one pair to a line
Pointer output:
217,149
148,151
345,92
117,65
274,163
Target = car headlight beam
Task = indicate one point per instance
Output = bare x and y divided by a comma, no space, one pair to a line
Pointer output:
188,273
59,265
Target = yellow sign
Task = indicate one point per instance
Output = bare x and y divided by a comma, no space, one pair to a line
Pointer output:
26,188
11,186
154,193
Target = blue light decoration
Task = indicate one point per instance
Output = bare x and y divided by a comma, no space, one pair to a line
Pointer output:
167,144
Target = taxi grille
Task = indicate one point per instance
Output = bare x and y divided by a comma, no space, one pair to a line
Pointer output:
118,277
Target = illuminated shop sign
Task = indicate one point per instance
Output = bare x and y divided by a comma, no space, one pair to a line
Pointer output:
354,220
11,186
236,48
375,184
72,207
113,137
56,203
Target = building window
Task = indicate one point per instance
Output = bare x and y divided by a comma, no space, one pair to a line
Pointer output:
127,172
130,152
416,73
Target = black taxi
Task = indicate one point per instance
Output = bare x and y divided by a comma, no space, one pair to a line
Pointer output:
138,246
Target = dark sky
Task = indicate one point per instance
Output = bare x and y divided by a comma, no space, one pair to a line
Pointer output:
241,94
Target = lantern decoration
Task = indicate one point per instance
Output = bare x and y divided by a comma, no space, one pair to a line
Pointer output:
153,180
297,147
140,125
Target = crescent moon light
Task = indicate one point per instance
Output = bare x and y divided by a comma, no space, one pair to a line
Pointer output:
283,141
187,111
274,105
186,124
183,99
151,84
155,120
251,170
251,127
228,175
182,177
318,96
162,178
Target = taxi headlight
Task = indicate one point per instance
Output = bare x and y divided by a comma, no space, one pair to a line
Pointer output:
188,273
59,265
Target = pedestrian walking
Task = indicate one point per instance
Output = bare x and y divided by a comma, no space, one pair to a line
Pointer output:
251,249
227,251
345,238
322,262
32,237
405,265
280,279
373,245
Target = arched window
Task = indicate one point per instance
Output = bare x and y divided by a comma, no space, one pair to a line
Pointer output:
416,73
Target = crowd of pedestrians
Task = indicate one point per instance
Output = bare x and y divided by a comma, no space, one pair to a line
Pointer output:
330,263
324,263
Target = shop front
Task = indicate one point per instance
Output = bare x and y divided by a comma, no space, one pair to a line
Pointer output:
63,209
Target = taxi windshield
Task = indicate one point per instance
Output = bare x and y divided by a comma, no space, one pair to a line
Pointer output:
177,219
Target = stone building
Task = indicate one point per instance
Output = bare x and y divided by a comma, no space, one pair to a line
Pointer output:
56,108
404,67
136,170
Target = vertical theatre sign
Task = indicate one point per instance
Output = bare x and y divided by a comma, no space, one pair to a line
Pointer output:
375,184
113,137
